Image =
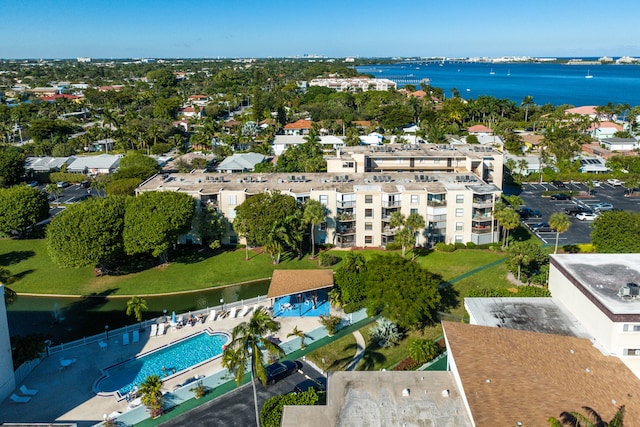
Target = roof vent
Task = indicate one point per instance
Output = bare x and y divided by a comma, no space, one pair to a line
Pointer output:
445,393
571,351
406,392
613,401
587,370
488,380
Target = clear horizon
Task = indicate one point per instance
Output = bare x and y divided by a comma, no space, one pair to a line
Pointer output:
120,29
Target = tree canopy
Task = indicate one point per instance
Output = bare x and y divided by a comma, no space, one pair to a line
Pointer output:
11,167
616,232
21,207
153,221
271,413
88,233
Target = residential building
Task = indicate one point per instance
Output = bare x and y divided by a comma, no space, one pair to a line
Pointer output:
328,142
479,130
483,161
619,144
242,162
592,164
602,291
604,130
299,127
46,164
457,206
95,165
352,84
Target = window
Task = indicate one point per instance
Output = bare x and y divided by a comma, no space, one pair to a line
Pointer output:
414,210
323,226
368,198
368,240
459,226
231,199
631,352
460,198
415,199
231,213
368,226
233,239
458,239
324,199
631,328
368,213
459,211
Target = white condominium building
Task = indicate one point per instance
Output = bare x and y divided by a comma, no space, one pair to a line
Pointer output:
456,203
353,83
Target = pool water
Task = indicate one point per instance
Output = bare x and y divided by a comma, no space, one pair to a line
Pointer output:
178,356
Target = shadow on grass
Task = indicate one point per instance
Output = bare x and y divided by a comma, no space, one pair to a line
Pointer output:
520,234
371,358
20,275
14,257
449,297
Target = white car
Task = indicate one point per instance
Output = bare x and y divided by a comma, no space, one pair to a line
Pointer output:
586,216
614,182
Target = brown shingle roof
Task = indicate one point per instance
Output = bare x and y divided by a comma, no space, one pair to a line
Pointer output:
288,282
299,124
510,376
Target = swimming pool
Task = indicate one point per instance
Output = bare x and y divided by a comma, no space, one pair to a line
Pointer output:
184,354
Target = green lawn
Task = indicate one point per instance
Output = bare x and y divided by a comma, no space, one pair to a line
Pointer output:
336,354
454,264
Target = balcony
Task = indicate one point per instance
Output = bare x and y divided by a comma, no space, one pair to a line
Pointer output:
346,217
436,203
482,202
391,203
389,231
482,216
481,229
346,204
345,231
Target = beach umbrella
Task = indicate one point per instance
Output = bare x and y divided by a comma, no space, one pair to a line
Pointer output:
173,316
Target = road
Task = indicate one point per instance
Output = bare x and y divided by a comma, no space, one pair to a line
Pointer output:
235,409
580,231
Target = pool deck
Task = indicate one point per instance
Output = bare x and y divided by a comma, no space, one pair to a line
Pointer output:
67,395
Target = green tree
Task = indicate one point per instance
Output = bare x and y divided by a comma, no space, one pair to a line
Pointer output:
616,232
211,226
526,257
300,334
53,190
151,395
509,220
561,223
248,339
135,306
21,207
591,419
423,350
406,294
88,234
11,167
314,214
154,220
136,165
271,413
527,102
163,77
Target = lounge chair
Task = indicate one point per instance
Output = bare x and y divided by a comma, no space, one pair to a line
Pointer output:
125,338
212,316
27,391
20,399
232,313
161,329
103,345
136,336
244,311
154,329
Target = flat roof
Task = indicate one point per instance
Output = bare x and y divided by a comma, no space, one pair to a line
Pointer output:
289,282
510,376
366,398
603,276
525,314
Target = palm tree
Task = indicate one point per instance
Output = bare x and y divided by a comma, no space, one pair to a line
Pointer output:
527,102
135,306
242,229
559,221
298,333
246,347
509,220
414,222
422,351
150,389
53,190
314,214
592,419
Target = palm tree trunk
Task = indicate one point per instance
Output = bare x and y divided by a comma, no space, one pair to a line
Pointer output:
313,243
255,398
246,250
557,236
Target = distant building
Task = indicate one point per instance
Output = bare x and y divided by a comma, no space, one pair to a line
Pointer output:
619,144
239,163
354,83
95,165
299,127
328,142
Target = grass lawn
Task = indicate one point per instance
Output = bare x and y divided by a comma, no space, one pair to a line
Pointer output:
336,354
29,262
453,264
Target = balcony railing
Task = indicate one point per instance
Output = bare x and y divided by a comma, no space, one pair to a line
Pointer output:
389,231
346,231
346,217
481,216
482,203
390,203
346,204
436,203
481,229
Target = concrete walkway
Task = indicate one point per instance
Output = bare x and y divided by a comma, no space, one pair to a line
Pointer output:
360,346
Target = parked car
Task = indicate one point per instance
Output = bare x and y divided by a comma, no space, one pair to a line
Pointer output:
318,384
526,212
85,184
62,184
602,206
574,210
279,370
542,227
587,216
32,183
560,196
615,182
558,184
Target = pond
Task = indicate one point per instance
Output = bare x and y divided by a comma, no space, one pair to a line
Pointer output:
64,319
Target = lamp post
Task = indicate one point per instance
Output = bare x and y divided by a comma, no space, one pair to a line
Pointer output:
106,331
165,315
222,303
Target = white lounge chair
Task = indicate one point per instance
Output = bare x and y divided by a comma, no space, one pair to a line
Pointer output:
135,336
27,391
256,308
244,311
212,316
161,329
232,313
125,338
154,329
20,399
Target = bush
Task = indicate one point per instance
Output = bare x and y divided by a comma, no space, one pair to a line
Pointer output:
471,245
161,148
327,259
443,247
393,246
520,291
331,323
460,245
407,364
386,331
271,412
495,247
67,177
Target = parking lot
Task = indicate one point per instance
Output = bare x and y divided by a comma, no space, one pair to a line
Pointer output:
579,232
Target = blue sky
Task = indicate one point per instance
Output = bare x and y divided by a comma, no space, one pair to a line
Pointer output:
276,28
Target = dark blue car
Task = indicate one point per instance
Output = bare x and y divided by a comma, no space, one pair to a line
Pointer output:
279,370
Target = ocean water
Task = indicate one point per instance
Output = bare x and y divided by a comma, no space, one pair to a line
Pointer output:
554,83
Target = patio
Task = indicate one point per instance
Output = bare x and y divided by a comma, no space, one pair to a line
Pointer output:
300,293
307,304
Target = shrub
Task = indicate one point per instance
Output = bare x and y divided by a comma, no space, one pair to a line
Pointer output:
443,247
495,247
331,323
386,331
460,245
161,148
327,259
393,246
521,291
271,413
471,245
407,364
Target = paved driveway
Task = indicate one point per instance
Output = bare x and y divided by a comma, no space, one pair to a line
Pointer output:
236,407
579,232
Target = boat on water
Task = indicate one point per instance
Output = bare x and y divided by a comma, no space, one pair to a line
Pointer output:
492,72
508,72
588,76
